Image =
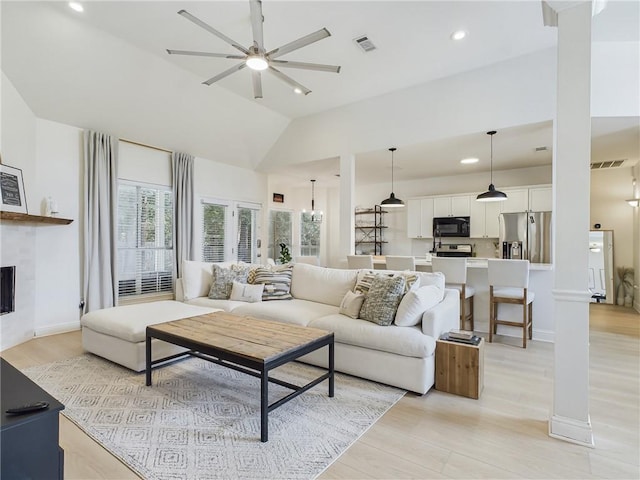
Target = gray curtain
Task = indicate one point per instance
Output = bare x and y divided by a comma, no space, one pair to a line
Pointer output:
183,240
100,206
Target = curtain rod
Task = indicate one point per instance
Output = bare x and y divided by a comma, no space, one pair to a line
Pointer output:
145,145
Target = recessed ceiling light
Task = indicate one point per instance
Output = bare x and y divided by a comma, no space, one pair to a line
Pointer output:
76,6
469,160
458,35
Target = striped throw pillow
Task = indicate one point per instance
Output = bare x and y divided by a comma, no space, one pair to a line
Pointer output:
276,280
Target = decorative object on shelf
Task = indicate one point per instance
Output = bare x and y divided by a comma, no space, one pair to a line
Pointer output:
12,197
316,217
285,255
492,195
51,207
392,201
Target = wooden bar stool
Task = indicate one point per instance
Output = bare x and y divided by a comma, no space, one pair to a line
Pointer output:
455,276
509,283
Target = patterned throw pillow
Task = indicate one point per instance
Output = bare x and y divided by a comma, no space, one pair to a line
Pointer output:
222,280
382,301
365,278
276,280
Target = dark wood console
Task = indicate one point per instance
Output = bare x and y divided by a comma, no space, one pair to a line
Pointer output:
29,442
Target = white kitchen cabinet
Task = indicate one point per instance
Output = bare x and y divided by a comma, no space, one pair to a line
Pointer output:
455,206
540,199
517,201
420,218
484,219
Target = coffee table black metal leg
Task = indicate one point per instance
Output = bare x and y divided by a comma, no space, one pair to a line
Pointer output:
331,369
148,361
264,405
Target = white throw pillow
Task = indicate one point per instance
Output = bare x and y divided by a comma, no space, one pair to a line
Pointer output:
351,304
415,303
243,292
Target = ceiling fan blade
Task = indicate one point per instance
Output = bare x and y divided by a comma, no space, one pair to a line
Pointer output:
256,24
210,29
204,54
299,43
257,84
307,66
288,80
226,73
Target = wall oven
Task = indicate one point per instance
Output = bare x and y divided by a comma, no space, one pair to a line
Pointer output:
451,227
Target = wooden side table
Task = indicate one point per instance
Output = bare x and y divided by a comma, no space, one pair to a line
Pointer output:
460,368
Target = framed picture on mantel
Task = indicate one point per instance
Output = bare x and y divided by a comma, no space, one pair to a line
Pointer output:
12,198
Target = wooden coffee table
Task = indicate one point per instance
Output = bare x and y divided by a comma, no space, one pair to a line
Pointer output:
246,344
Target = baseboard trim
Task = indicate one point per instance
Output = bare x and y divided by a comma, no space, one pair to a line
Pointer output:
571,430
55,329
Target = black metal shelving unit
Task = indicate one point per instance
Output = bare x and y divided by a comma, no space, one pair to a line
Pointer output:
370,234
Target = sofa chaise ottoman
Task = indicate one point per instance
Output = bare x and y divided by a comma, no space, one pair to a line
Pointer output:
119,333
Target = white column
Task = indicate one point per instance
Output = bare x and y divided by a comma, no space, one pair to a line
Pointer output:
571,177
347,204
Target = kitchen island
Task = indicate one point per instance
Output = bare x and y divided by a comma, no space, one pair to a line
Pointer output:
540,282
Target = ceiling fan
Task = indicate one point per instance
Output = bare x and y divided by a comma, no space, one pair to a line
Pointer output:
256,57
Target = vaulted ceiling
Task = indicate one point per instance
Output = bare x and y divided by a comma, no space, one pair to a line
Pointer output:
107,67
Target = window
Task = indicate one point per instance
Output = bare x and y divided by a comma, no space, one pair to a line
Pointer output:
280,231
224,221
309,236
145,239
213,232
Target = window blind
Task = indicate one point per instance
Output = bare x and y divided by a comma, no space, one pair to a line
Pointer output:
309,236
247,235
214,223
145,239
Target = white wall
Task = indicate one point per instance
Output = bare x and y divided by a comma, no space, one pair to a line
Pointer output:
609,190
636,240
57,253
18,241
516,92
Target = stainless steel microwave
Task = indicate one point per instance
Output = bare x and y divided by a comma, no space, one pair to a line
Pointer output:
451,227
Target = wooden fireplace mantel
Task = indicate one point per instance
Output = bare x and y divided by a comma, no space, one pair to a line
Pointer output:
26,218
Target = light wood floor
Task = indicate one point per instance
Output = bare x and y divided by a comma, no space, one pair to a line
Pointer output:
438,435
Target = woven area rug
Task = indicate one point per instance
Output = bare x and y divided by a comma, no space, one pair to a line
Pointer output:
202,421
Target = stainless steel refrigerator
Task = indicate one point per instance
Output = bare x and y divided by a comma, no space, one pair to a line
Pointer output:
526,235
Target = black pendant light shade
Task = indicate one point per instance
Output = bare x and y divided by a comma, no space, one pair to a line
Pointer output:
492,195
392,201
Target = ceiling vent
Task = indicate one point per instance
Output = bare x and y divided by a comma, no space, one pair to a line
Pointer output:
365,43
610,164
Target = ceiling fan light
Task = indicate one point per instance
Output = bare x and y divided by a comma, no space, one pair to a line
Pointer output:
297,91
458,35
257,62
634,202
492,195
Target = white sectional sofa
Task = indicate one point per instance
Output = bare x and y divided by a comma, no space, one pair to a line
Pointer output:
402,356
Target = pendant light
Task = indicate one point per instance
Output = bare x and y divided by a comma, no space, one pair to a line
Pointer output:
392,201
316,217
492,195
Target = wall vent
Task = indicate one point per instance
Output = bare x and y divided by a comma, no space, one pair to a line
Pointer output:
541,149
609,164
365,43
